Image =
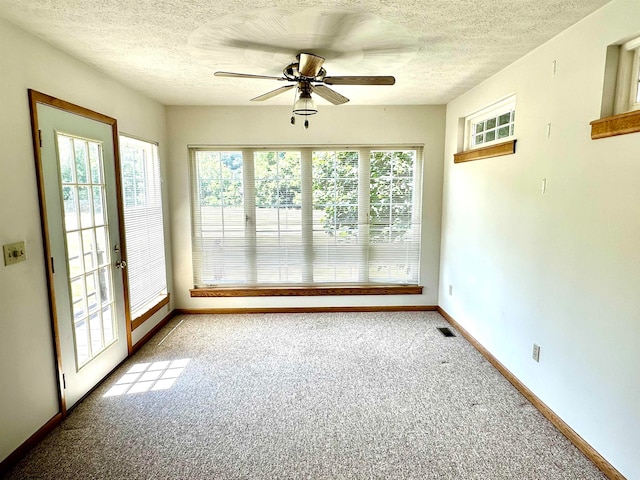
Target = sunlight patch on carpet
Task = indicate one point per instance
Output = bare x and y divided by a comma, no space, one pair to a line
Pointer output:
146,377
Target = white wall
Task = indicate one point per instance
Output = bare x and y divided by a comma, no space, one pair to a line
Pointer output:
333,125
560,269
28,397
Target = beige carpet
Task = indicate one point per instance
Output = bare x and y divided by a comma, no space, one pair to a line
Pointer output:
314,396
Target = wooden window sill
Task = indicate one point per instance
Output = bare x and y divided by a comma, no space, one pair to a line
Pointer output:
497,150
136,322
616,125
306,291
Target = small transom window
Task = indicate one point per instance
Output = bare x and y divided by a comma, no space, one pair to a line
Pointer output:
490,125
628,79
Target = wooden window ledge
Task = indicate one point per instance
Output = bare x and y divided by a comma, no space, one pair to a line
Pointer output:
497,150
306,291
616,125
136,322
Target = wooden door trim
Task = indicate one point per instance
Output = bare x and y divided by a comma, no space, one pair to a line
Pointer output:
36,98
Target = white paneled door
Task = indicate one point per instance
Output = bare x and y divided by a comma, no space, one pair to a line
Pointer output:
78,176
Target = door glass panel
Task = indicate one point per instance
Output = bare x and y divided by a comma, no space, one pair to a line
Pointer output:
95,324
67,170
81,341
104,258
88,246
108,327
78,299
86,220
74,254
104,275
95,162
98,211
70,199
93,301
80,151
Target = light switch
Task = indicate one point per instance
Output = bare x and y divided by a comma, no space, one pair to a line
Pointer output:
14,253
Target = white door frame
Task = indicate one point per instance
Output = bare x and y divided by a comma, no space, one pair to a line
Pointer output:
36,98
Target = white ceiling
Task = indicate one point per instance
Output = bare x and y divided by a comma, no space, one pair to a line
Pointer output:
169,49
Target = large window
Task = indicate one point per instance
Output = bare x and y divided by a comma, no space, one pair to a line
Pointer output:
306,216
144,231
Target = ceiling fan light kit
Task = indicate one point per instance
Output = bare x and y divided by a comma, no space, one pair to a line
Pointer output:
310,77
305,104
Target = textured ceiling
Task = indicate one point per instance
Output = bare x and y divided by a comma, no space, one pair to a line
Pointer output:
169,49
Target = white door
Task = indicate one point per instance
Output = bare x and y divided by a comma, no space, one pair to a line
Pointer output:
79,179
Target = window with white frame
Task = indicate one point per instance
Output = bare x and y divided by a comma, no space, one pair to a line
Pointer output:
627,96
306,216
491,125
143,223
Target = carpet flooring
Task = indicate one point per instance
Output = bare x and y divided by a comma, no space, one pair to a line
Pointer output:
313,396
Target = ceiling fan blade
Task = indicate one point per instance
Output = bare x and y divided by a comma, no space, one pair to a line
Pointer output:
258,47
360,80
272,93
341,26
388,51
330,95
309,64
246,75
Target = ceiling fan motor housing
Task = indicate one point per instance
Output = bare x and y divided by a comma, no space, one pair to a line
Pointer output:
292,73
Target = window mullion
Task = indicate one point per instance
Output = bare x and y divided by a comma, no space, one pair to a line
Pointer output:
196,218
623,86
416,200
249,202
306,172
633,84
364,199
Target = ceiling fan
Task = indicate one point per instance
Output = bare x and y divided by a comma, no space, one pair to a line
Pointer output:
308,75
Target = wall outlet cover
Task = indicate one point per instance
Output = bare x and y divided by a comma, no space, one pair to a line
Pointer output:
536,352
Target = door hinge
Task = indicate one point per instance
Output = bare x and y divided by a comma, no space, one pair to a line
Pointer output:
64,381
40,138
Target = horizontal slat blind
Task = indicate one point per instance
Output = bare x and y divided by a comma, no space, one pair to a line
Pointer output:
394,215
337,252
305,216
144,230
219,241
278,217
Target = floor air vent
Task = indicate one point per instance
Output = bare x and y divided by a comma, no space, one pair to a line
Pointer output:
446,331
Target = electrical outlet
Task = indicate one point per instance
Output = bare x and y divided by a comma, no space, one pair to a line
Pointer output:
536,352
14,253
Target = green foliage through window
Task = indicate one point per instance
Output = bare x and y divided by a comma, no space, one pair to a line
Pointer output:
264,216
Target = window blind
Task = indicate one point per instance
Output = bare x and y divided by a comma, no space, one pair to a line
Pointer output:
143,222
338,236
305,216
